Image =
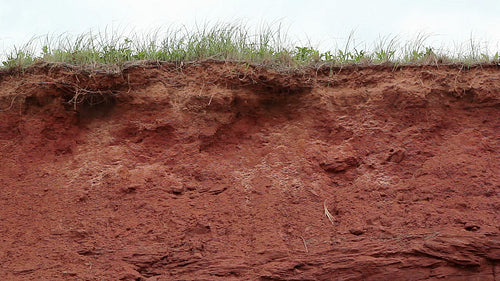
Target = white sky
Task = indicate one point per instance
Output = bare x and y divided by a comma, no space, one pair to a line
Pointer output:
322,22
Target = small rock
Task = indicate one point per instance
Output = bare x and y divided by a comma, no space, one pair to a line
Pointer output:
177,189
218,189
356,231
472,227
397,155
69,273
339,164
172,184
200,228
198,255
83,197
129,189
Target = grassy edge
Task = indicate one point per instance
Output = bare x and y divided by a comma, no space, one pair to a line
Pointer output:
268,46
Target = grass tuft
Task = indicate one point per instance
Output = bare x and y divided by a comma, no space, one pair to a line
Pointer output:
267,45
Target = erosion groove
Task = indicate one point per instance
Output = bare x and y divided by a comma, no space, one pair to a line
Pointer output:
223,171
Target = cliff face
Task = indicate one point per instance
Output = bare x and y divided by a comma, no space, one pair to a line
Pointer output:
217,171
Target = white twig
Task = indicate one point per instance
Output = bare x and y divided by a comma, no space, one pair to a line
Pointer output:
305,244
328,214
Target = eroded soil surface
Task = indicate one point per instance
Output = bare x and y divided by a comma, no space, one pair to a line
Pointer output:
220,171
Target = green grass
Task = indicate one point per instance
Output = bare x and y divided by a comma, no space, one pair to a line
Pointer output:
269,46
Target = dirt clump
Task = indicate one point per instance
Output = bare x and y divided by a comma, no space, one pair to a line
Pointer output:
224,171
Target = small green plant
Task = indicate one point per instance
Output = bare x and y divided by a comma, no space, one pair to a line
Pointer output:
385,49
327,56
359,56
18,59
495,57
420,56
305,54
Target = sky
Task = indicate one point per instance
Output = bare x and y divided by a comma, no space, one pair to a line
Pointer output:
323,24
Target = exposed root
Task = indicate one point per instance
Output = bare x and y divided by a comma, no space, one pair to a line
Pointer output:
91,98
11,104
75,95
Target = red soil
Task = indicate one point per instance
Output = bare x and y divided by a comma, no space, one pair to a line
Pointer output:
219,171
